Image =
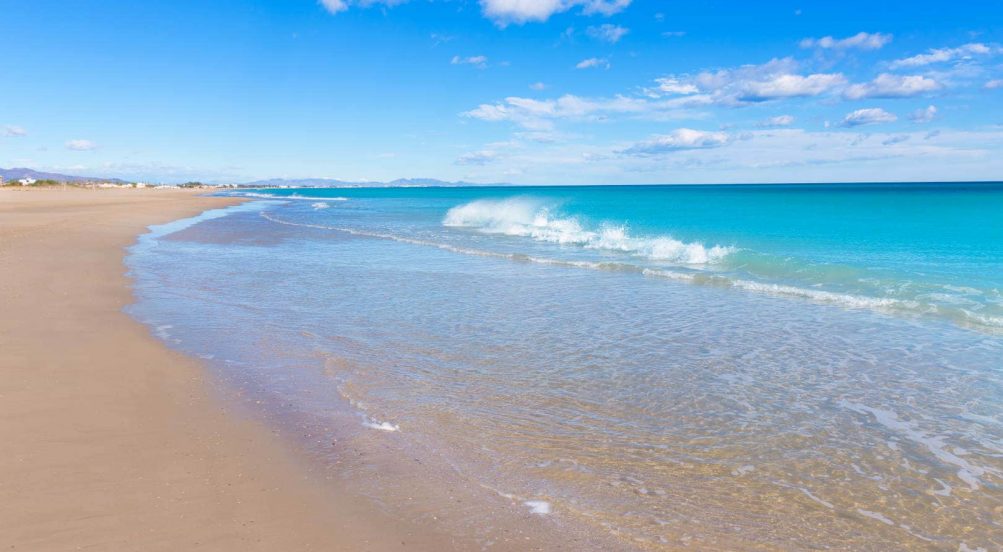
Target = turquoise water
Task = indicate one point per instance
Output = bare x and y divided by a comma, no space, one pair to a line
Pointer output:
933,249
779,367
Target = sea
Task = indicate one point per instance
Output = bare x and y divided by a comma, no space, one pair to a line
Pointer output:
761,367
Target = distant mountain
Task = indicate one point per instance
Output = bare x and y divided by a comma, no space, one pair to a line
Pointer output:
19,173
333,183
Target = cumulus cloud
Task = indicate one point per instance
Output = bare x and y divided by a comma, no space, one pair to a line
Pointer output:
870,116
944,55
994,84
338,6
593,63
924,115
887,85
477,61
773,80
13,131
672,97
505,12
81,145
778,121
602,7
679,139
608,33
670,85
539,115
790,86
334,6
859,41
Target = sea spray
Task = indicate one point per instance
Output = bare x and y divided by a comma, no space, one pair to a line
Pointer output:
531,218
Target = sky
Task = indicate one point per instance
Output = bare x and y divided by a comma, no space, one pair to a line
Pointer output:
519,91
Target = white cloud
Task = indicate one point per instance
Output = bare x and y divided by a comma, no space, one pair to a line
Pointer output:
673,97
334,6
539,115
775,79
602,7
887,85
521,11
943,55
439,38
994,84
482,157
778,121
81,145
592,63
924,115
477,61
860,41
337,6
791,86
504,12
608,33
679,139
675,86
538,86
13,131
868,116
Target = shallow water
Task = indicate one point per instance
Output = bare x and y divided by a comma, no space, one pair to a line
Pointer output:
764,367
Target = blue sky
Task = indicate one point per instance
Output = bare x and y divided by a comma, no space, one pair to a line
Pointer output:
522,91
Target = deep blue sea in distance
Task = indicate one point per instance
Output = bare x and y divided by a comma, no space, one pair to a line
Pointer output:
728,366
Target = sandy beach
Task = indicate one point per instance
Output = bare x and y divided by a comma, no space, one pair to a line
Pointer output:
113,442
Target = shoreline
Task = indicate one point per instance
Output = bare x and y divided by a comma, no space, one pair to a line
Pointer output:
116,442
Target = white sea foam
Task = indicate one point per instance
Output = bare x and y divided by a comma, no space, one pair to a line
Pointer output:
162,332
314,198
293,196
539,507
320,205
842,299
382,426
529,218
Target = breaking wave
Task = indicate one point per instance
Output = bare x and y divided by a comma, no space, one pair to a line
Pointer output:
528,218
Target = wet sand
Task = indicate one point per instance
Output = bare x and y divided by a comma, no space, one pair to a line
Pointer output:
113,442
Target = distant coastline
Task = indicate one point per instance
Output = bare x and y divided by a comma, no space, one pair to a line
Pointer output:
30,177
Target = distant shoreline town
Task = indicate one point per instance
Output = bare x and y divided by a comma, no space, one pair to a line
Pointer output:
29,182
24,177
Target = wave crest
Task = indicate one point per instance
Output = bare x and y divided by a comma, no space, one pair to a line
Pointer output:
529,218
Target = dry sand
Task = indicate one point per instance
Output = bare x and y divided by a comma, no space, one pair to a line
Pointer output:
110,441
